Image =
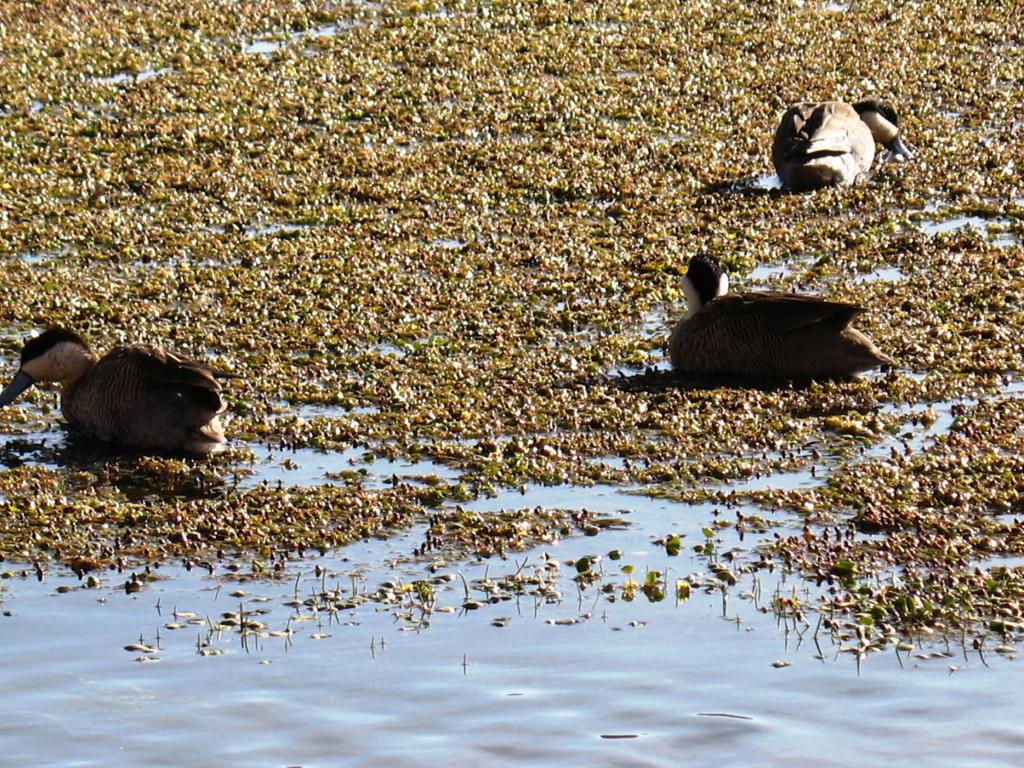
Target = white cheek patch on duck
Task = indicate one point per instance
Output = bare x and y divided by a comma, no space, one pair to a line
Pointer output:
56,364
723,285
881,129
693,302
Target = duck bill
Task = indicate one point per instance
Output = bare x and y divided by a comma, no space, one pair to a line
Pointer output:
900,150
20,383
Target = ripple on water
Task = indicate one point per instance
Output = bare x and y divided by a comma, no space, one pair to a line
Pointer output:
268,45
882,275
993,227
277,228
310,467
461,688
127,77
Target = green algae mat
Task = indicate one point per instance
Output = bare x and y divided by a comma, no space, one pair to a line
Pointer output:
455,233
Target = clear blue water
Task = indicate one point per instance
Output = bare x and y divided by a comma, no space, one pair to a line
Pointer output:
631,684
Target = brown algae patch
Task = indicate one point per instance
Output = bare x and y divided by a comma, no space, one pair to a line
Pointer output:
286,214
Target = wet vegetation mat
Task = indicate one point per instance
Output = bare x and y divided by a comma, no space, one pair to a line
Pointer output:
441,246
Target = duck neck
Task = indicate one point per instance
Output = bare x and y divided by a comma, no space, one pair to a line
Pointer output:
71,364
694,303
697,298
881,129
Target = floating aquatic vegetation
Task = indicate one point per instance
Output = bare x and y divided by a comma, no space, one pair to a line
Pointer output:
453,226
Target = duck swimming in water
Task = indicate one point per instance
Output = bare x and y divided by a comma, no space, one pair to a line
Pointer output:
765,335
832,143
138,396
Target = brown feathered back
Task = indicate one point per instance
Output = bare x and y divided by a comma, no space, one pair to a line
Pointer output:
822,144
773,335
147,397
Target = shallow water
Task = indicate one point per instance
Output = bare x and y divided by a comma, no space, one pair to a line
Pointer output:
532,678
993,227
42,258
765,183
884,275
525,680
273,229
627,683
127,77
449,243
768,272
270,45
308,466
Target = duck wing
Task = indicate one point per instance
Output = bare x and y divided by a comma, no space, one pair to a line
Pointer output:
781,313
815,130
156,369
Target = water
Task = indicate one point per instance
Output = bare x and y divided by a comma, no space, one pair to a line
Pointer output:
598,683
275,229
263,47
126,77
993,227
750,185
381,681
42,258
449,243
670,138
765,182
769,272
322,410
55,445
935,226
766,274
269,45
883,274
308,466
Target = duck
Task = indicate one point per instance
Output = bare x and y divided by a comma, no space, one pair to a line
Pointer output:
832,143
779,336
140,397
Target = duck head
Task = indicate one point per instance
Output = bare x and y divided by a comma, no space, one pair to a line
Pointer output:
56,355
704,281
884,124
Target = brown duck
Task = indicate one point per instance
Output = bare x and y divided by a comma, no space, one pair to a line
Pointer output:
833,143
139,396
765,335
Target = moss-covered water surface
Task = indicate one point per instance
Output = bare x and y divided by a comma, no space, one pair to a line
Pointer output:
441,247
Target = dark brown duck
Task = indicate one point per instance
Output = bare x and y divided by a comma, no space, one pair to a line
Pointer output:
765,335
138,396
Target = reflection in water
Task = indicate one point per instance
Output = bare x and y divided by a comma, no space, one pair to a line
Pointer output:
59,446
64,447
454,655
